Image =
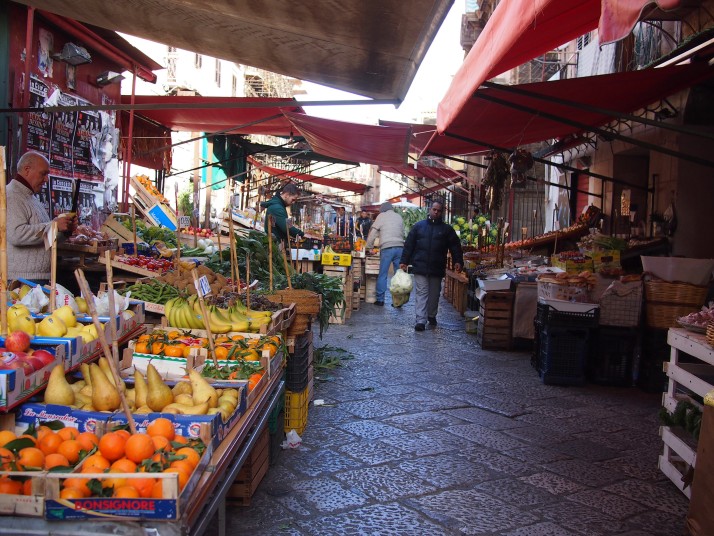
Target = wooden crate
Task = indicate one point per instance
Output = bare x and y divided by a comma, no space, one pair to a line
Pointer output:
456,290
678,457
370,286
337,271
252,472
371,265
496,320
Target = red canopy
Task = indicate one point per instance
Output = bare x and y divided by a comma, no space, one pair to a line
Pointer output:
505,126
324,181
369,144
255,115
426,172
520,30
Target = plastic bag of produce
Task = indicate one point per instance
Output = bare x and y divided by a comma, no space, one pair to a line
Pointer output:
120,303
400,288
35,300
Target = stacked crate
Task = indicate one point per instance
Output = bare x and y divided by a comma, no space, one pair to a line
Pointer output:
371,271
252,472
342,314
495,320
299,363
562,343
357,270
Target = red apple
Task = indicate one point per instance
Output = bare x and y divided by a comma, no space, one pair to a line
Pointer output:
36,362
23,365
45,356
17,341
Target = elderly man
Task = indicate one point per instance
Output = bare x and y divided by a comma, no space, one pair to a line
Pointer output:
28,221
389,227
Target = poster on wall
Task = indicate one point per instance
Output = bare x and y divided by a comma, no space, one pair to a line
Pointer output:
62,137
89,126
61,190
38,123
91,197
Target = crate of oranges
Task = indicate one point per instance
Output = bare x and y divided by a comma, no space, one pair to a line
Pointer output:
150,474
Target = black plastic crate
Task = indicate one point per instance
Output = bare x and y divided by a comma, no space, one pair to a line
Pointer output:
547,315
535,354
296,372
615,352
651,377
563,355
277,437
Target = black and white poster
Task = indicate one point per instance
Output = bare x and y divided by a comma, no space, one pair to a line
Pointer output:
62,138
86,133
38,123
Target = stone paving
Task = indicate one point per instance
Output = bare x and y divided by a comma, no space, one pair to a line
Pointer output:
427,434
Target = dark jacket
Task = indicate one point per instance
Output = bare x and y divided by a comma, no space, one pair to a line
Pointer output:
275,207
363,225
426,246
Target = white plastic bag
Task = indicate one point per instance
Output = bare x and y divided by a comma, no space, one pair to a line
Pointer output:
401,287
121,303
292,440
65,297
35,300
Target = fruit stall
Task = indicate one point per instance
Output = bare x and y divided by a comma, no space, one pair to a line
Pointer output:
150,399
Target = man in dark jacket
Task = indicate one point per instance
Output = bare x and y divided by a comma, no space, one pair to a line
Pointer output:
276,207
425,249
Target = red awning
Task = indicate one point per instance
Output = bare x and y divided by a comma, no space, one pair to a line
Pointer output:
324,181
425,172
369,144
504,126
254,115
520,30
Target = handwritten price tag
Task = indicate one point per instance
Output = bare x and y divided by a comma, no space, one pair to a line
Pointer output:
202,286
184,221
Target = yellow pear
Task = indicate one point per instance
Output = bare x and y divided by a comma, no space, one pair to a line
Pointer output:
51,326
143,409
89,328
182,409
130,395
84,368
81,305
106,369
158,394
73,332
140,388
86,391
202,390
182,388
105,396
66,314
185,399
77,386
82,400
58,390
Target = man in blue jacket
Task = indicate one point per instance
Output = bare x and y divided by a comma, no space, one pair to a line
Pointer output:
425,249
277,208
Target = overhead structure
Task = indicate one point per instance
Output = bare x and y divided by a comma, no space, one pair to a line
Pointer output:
371,48
339,184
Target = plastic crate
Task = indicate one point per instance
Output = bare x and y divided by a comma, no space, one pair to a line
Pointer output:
296,404
622,308
296,371
274,424
303,341
549,316
563,355
535,354
612,361
655,350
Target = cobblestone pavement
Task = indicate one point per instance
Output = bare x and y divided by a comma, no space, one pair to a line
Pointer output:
427,434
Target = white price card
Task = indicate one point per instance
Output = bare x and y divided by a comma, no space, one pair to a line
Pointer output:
184,221
202,286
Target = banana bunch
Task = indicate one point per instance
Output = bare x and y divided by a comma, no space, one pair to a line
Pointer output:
186,314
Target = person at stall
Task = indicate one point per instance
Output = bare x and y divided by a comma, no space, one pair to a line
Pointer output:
425,248
364,222
277,208
389,227
343,224
28,222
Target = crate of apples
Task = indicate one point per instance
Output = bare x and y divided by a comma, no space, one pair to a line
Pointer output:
197,231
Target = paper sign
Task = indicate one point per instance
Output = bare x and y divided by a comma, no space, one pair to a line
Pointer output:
184,221
50,236
202,286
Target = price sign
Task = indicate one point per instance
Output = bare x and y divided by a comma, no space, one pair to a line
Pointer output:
184,221
202,286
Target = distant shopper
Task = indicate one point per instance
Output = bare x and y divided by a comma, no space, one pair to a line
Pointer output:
277,208
389,227
364,222
425,249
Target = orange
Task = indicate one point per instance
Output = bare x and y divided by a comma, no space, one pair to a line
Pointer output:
56,460
126,492
237,338
139,447
157,347
87,440
174,350
123,465
72,493
250,355
95,463
6,456
143,485
180,439
43,430
160,458
68,433
123,432
31,457
182,475
114,482
162,427
10,487
27,487
173,335
28,436
157,492
49,443
143,338
70,450
111,446
253,381
221,339
5,437
142,348
78,484
184,465
192,456
161,443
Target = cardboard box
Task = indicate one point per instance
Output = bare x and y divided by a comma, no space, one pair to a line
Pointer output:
606,259
305,254
17,386
337,259
572,266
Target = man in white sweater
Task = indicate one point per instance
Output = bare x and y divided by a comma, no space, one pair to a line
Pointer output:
28,221
389,226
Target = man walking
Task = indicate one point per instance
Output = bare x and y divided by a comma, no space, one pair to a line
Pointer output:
425,249
389,226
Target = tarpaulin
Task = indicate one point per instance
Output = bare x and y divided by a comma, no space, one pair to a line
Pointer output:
324,181
369,144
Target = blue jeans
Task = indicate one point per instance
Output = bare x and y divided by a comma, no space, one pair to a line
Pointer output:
387,257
